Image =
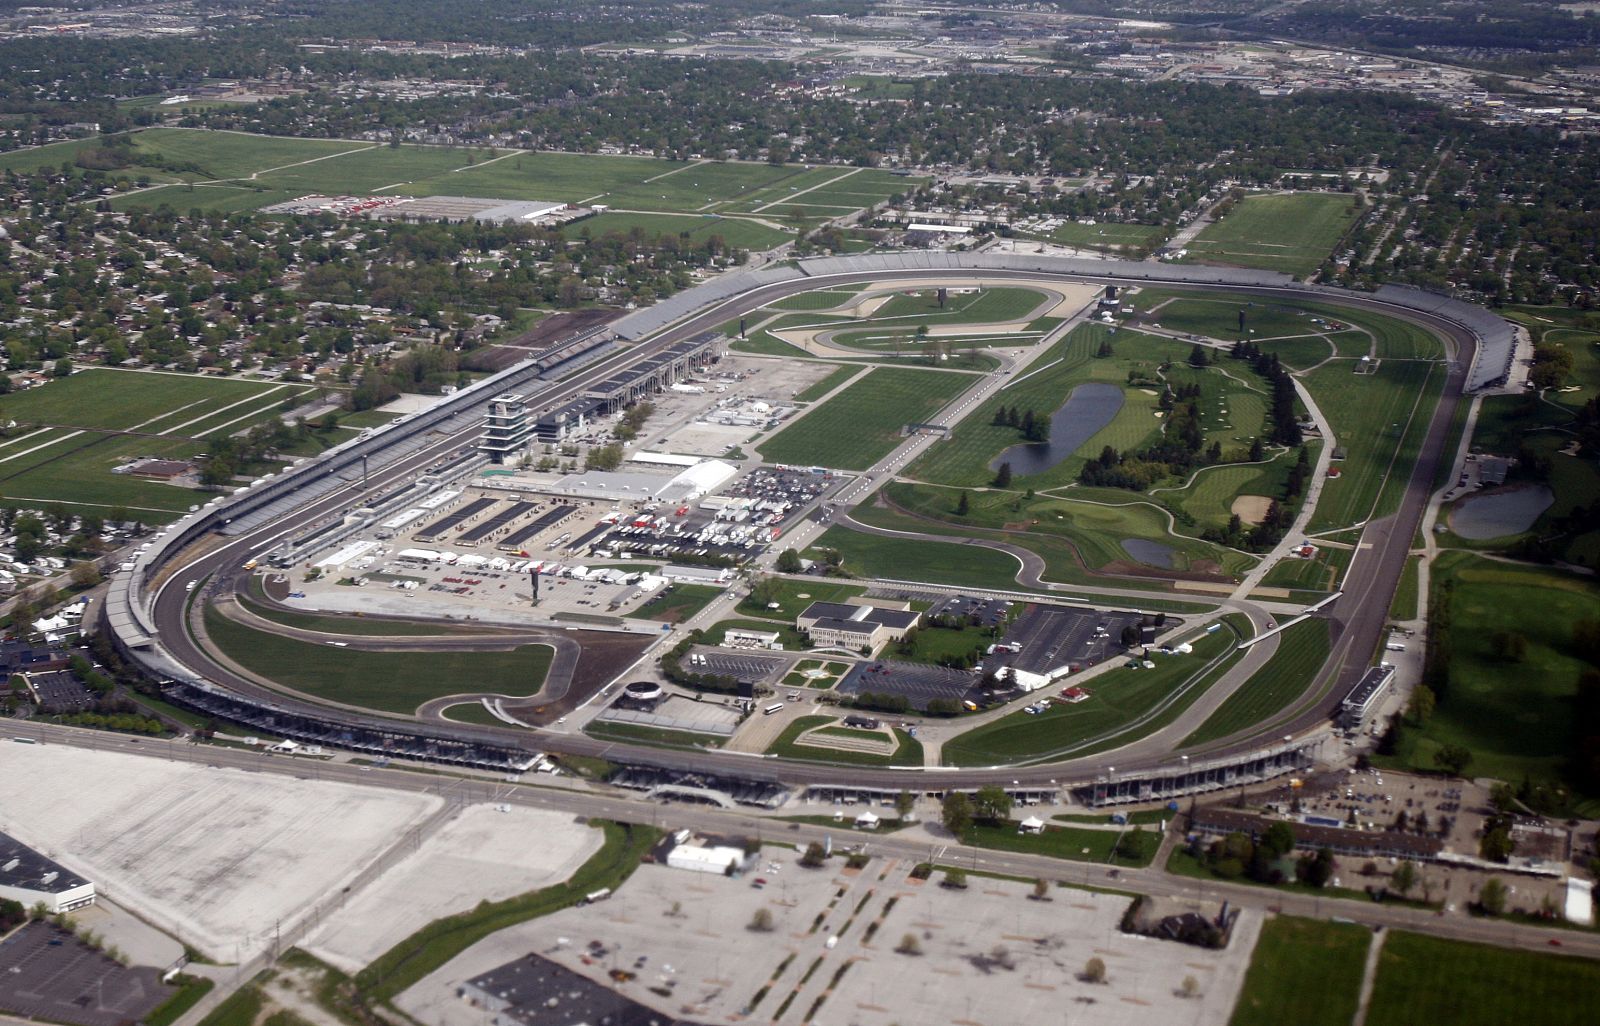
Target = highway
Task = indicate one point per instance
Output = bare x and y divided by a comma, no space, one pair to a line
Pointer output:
1359,617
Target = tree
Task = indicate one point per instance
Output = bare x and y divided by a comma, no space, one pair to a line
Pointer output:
1404,877
1509,646
1002,477
1198,357
964,505
1492,897
1041,889
1421,705
909,945
1278,840
1316,870
85,574
1497,844
1190,987
1094,970
956,813
955,879
761,922
815,855
1453,759
991,804
789,562
904,803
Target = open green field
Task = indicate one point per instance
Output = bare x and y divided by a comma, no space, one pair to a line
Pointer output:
1304,971
836,377
862,424
71,435
818,299
1075,844
910,559
1116,702
1271,323
181,405
1293,233
677,602
1379,420
739,232
1209,496
1515,717
1285,677
253,171
1088,531
786,592
394,681
1425,979
1105,235
908,754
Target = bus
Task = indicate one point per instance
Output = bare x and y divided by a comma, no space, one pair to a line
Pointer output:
776,707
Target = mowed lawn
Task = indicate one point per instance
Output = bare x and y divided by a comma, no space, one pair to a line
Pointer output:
735,231
1515,717
115,400
1291,232
235,154
1285,677
1425,979
862,424
1307,972
1115,700
911,559
396,681
1379,420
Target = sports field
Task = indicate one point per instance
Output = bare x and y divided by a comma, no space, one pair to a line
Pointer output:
862,424
72,432
237,171
1425,979
1304,971
1289,232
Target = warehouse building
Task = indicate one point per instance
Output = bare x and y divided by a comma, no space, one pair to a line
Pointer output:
31,879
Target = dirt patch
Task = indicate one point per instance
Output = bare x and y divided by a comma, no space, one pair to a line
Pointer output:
605,655
1252,509
524,346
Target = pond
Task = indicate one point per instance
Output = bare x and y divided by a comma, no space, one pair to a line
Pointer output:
1148,552
1500,513
1088,408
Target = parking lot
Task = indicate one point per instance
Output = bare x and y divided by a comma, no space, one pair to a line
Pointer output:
745,667
1050,637
46,973
918,683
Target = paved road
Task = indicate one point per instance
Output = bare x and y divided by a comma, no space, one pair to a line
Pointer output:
1359,617
623,807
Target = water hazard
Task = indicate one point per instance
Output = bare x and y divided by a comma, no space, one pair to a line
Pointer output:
1501,513
1148,552
1088,408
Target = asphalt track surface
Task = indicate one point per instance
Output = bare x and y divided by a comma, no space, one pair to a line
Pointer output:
1358,618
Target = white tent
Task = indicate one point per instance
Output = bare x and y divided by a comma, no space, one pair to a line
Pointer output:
868,820
1031,825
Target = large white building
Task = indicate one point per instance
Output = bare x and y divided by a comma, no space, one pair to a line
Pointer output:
32,879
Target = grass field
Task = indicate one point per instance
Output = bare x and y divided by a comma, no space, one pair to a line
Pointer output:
1432,980
260,170
786,593
1515,717
1116,701
1301,652
908,754
1075,844
738,232
1113,236
861,425
396,681
1353,333
818,299
909,559
1304,971
835,378
677,603
1379,420
1209,498
70,435
1293,233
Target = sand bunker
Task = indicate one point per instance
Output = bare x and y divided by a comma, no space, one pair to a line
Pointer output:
1252,509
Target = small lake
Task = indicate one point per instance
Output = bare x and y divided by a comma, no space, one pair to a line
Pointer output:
1501,513
1088,408
1148,552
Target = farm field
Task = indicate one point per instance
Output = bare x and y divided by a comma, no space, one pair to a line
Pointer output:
1304,971
72,432
862,424
1285,677
395,681
1429,979
1116,701
1293,233
1514,716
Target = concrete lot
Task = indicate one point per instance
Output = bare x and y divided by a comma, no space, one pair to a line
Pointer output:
689,934
216,857
481,855
48,974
